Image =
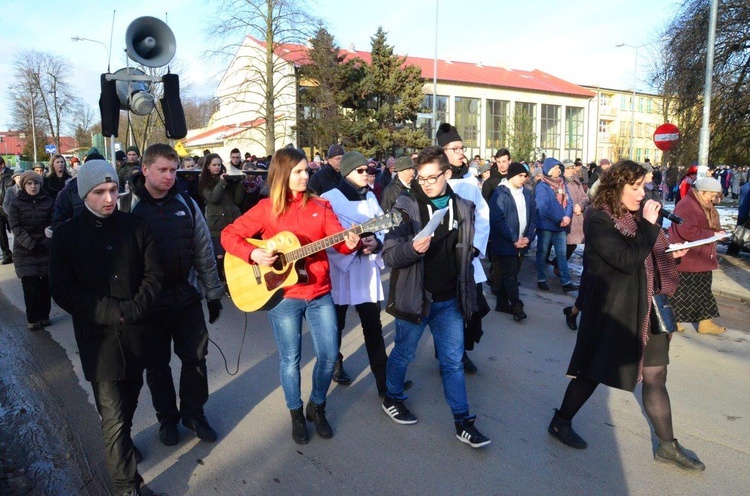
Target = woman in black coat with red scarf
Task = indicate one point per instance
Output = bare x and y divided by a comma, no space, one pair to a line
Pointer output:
625,260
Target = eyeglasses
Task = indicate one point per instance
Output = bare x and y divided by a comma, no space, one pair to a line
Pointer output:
361,171
456,149
429,180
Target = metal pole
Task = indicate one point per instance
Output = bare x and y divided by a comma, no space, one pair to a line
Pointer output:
632,105
705,137
33,125
434,80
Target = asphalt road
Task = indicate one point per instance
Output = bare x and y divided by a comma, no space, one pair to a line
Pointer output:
521,379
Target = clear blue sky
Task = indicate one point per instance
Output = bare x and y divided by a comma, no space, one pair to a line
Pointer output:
574,39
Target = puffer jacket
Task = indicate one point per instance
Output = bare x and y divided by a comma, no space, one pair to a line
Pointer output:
184,241
407,298
28,217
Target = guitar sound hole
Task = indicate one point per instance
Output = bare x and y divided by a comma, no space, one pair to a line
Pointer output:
278,264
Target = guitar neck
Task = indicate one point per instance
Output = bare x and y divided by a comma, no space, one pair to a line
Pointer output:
321,244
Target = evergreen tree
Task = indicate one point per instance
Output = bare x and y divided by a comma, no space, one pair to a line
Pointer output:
389,97
324,92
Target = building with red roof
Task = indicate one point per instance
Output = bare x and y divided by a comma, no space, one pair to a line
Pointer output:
482,101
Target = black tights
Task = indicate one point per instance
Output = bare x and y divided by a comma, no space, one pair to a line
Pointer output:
654,394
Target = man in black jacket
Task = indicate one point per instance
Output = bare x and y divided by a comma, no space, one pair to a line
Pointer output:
401,183
185,250
6,182
105,272
329,176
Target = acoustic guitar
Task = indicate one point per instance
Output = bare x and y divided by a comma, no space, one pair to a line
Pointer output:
259,287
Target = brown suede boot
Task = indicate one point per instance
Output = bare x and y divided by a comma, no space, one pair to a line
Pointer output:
708,327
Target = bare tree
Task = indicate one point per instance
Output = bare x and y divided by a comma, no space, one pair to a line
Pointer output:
43,84
273,23
684,74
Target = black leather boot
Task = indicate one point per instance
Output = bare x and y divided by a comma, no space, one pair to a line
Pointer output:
672,452
339,374
317,414
299,427
563,430
518,313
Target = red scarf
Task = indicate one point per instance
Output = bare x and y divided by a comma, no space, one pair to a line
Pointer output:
558,186
658,259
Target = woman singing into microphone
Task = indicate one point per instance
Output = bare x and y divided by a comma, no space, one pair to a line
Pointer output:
292,207
625,264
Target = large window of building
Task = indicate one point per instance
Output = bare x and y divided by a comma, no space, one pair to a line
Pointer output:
573,132
549,136
498,116
424,118
467,123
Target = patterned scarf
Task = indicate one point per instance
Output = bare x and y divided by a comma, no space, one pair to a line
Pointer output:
666,271
558,186
712,216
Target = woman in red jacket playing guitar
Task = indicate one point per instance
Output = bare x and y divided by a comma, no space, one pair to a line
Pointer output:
292,207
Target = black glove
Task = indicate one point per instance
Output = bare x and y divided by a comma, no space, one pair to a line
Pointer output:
214,310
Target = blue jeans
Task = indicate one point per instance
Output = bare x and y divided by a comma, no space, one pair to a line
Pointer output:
447,326
286,320
557,240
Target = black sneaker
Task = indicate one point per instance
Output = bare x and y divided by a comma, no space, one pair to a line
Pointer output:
168,434
542,285
200,426
467,433
398,411
45,322
7,260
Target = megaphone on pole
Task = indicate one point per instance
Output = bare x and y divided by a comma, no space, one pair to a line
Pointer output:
150,42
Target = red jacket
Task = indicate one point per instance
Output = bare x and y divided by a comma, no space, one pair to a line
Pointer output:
694,227
314,221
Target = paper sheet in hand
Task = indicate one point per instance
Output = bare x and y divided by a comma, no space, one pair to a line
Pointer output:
431,226
705,241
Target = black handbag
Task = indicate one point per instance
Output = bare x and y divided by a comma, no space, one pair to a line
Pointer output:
665,319
741,236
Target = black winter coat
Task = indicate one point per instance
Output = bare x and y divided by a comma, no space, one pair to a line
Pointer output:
326,179
608,346
28,217
102,270
53,184
391,194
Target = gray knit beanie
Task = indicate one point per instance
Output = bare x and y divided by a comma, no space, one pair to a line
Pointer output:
93,173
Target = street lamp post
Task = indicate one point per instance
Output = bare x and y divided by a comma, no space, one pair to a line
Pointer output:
112,139
434,80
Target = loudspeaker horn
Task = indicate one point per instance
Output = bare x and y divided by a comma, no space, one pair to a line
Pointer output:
134,95
150,42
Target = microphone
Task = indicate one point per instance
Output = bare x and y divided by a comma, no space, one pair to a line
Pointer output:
666,214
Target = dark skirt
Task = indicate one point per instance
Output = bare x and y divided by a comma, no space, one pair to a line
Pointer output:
693,301
657,350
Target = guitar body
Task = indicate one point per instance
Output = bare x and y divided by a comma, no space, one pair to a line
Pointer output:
257,287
